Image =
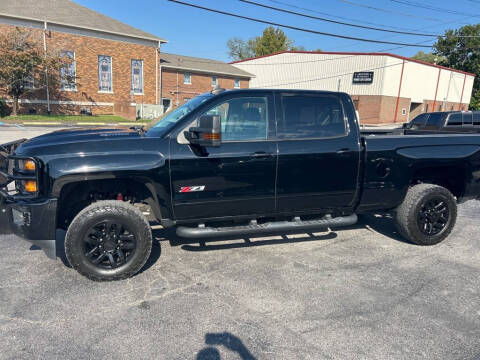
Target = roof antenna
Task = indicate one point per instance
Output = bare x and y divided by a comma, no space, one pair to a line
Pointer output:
217,90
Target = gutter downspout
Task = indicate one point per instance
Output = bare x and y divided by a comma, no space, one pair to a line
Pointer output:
46,66
156,74
461,96
436,90
398,96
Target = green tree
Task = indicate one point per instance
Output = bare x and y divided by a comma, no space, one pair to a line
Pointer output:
427,57
460,49
22,59
239,49
271,41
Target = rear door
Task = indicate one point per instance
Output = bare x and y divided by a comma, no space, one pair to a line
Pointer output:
237,178
318,153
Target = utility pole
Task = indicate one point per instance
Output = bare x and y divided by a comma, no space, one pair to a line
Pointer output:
46,65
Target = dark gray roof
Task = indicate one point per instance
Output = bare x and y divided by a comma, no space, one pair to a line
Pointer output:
193,64
66,12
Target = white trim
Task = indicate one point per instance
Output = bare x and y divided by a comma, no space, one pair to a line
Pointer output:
62,102
84,27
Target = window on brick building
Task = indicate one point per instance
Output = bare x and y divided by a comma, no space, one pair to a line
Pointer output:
68,72
187,78
29,82
236,83
137,76
186,100
105,73
214,81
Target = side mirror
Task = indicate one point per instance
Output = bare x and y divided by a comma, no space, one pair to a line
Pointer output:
208,133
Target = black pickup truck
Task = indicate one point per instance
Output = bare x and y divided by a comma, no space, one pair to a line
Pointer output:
230,163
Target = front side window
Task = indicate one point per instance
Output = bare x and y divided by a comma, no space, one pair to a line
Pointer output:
105,73
187,78
137,76
455,119
311,116
214,81
243,118
236,83
420,120
68,72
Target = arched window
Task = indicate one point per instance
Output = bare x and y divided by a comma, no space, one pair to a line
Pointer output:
137,76
105,73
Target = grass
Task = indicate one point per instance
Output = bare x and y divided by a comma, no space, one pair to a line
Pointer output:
68,119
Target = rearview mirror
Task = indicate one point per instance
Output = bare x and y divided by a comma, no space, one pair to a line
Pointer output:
207,133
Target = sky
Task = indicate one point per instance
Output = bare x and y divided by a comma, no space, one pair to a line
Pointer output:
196,32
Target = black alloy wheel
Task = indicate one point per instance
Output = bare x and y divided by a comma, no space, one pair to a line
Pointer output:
108,240
109,244
433,216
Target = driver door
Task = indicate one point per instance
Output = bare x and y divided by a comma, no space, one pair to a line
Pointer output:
238,177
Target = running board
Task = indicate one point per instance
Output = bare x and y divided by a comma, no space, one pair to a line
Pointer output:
254,228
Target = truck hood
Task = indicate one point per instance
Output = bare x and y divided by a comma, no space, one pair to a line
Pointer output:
64,138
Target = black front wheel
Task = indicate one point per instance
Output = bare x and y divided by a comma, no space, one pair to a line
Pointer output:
427,215
108,240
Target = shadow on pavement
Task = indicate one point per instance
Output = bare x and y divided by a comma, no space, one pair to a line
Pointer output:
227,340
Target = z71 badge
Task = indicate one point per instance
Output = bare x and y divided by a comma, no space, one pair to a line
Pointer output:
185,189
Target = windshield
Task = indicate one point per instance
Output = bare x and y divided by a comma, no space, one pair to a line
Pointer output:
171,118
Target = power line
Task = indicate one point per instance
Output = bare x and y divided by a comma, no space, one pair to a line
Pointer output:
295,27
335,21
429,7
387,10
336,16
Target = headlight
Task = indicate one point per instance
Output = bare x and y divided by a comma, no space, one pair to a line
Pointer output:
30,186
29,165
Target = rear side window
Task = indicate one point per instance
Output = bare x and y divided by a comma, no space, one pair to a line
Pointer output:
435,120
308,117
476,118
455,119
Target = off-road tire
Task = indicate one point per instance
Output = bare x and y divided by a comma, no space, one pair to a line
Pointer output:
98,211
407,213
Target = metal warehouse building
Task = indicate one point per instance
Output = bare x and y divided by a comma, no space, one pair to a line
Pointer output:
386,88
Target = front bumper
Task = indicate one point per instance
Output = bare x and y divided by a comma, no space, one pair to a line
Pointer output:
34,221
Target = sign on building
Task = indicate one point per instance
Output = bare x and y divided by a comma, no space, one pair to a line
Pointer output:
363,77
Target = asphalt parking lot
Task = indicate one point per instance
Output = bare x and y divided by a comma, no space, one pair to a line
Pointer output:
358,293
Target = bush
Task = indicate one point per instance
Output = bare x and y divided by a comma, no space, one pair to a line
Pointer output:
4,108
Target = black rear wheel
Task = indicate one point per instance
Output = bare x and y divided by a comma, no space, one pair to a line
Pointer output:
427,215
108,240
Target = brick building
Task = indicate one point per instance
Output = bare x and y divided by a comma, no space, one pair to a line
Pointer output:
386,88
183,77
114,64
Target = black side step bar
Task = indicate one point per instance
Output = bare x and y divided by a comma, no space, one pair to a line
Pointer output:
255,228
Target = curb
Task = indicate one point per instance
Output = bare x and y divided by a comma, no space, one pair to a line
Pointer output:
41,123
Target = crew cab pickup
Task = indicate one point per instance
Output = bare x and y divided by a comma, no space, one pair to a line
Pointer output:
446,121
230,163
